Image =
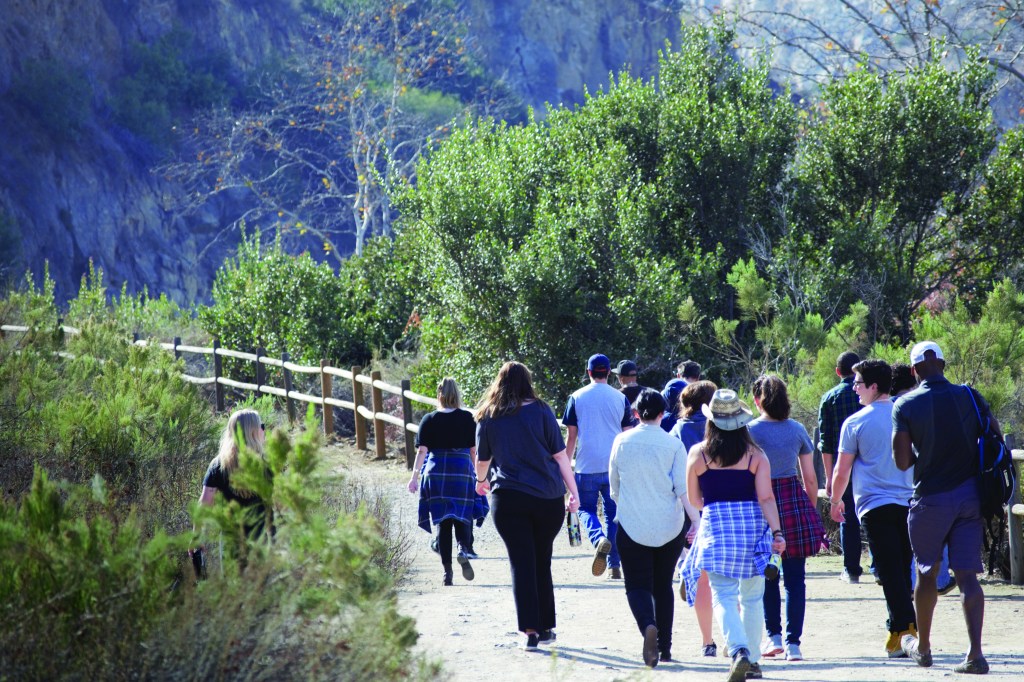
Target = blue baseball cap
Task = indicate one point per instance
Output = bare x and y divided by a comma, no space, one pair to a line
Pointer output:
598,361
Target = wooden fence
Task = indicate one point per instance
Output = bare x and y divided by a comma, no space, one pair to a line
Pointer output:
377,417
364,418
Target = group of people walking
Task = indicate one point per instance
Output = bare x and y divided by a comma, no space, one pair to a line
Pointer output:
694,484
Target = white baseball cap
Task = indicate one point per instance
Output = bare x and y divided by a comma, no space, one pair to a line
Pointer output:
918,351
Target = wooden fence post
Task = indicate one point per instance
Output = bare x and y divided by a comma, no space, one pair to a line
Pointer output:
218,370
261,373
357,399
377,396
1015,522
326,391
289,403
410,441
177,353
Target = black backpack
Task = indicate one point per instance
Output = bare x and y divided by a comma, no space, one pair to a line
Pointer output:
995,466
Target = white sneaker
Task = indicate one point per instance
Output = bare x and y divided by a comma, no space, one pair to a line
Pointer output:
772,646
793,653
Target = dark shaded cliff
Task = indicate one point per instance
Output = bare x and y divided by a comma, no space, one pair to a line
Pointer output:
76,185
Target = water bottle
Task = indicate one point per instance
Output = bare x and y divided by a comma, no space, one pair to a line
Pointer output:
572,527
771,571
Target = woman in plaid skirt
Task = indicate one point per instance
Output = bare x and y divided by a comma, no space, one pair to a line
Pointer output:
788,447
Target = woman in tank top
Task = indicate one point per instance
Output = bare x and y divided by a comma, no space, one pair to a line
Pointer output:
729,478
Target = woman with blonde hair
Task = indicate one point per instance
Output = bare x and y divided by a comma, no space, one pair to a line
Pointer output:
518,435
446,445
244,432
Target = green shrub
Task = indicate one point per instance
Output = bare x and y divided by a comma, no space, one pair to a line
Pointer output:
84,596
58,95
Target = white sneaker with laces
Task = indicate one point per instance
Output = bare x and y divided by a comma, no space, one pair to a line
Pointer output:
772,646
793,653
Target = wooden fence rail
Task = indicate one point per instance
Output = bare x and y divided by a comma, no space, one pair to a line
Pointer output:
361,414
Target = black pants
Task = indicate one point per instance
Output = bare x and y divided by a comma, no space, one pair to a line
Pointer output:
528,526
889,540
444,538
647,572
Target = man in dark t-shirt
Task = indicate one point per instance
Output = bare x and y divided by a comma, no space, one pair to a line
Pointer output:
935,430
626,371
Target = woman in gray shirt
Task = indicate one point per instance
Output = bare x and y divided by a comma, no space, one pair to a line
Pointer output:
789,450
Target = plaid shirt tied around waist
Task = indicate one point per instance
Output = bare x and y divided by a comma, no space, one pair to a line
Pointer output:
733,540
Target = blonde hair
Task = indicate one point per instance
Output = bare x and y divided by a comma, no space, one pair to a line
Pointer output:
448,394
245,424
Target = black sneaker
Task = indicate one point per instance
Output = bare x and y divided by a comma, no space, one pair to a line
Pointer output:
710,650
755,672
433,545
650,651
949,587
467,569
532,640
447,579
740,666
665,656
546,637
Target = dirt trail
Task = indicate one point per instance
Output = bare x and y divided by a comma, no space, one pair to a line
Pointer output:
470,627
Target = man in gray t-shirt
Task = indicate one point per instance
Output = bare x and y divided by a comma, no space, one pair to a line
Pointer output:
881,493
594,415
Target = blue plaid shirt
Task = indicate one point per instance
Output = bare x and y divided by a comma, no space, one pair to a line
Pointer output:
733,540
836,405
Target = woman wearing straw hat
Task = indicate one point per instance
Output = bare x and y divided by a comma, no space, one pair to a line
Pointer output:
729,478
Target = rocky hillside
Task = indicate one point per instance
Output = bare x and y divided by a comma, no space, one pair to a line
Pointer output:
76,186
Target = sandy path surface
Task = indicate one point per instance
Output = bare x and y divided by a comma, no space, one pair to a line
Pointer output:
470,627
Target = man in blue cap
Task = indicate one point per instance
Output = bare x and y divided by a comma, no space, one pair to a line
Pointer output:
594,415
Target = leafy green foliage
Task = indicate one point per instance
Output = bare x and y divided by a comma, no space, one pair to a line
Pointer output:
84,591
168,79
58,95
883,179
598,224
267,297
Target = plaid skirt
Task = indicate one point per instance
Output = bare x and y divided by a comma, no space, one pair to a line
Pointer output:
801,523
448,489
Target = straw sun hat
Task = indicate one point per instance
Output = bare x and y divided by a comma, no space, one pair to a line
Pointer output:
727,411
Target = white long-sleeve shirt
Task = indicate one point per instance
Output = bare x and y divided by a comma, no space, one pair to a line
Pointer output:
647,477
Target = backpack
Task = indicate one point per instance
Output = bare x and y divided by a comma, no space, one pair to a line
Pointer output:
995,466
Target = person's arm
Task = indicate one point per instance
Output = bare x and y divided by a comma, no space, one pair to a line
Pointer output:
827,446
694,468
903,450
206,499
766,498
421,454
841,479
810,478
564,468
570,441
613,471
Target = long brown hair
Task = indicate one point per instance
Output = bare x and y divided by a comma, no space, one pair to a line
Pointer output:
726,448
510,389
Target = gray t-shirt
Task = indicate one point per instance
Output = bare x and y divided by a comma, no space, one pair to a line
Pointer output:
877,481
783,442
599,412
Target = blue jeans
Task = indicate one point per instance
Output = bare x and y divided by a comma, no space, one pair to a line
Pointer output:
739,611
592,486
793,572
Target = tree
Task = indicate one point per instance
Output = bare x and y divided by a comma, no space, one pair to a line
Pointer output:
589,231
884,178
345,119
819,41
